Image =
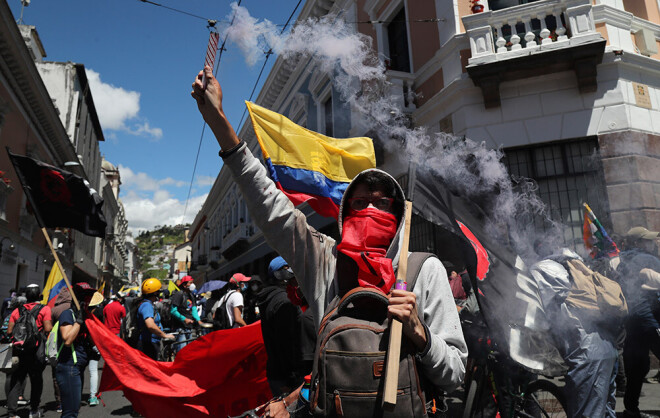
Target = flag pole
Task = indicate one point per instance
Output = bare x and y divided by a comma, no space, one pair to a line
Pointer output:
59,265
396,327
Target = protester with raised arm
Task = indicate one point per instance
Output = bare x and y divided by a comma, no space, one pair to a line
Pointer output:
370,223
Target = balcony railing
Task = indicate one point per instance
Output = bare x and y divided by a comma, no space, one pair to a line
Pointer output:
533,39
528,28
401,90
241,232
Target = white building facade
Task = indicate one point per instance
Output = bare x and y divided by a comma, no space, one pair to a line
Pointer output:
569,90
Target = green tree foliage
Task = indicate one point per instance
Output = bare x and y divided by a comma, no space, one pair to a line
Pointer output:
154,243
160,274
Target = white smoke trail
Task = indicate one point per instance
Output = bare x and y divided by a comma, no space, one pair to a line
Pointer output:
467,167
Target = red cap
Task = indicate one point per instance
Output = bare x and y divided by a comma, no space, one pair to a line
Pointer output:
239,277
186,279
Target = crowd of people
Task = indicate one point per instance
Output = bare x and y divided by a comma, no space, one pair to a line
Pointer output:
325,303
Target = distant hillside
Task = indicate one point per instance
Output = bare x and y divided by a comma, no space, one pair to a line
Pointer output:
155,249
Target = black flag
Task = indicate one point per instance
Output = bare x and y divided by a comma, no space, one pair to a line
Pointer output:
60,198
507,294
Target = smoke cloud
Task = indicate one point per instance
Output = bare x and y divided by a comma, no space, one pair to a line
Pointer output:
467,167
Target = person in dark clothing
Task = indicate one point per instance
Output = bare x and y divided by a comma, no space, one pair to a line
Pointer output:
75,354
208,311
280,327
640,272
251,311
184,312
29,363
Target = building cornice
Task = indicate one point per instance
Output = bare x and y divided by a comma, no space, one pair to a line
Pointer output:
18,68
608,14
453,45
84,84
604,13
440,105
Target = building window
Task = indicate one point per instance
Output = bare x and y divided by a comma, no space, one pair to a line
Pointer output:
327,114
568,174
397,38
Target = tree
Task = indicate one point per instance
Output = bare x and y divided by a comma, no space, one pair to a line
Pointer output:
160,274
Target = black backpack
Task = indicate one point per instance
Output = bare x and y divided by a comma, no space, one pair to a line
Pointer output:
164,309
349,363
221,319
26,334
129,330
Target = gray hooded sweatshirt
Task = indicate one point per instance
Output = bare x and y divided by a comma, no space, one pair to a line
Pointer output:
313,258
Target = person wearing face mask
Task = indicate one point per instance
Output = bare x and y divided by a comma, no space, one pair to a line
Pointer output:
233,300
370,223
280,327
184,312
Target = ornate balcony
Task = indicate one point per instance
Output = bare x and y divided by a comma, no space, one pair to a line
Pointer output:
236,240
533,39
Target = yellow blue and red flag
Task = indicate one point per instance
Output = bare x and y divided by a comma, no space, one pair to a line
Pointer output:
54,284
308,166
596,240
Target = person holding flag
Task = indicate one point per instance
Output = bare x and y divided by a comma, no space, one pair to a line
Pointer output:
369,212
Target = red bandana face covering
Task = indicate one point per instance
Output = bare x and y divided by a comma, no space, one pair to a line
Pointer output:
365,237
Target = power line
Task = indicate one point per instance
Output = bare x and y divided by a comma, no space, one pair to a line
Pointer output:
174,10
430,20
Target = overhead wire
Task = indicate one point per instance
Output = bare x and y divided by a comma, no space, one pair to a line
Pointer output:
173,9
211,24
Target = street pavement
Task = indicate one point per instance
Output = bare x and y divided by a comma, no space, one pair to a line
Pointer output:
118,406
115,403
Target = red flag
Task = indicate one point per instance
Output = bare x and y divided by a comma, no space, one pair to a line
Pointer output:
482,255
220,374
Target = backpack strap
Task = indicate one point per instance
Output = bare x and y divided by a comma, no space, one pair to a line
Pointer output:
73,351
415,262
226,298
35,310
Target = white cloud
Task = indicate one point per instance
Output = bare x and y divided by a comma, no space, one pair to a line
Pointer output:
149,201
144,213
119,109
144,182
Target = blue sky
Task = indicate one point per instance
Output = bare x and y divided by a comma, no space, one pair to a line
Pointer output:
141,60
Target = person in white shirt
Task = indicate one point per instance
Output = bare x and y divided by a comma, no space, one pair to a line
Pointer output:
234,297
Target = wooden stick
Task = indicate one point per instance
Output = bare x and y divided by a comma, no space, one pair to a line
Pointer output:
394,349
59,265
